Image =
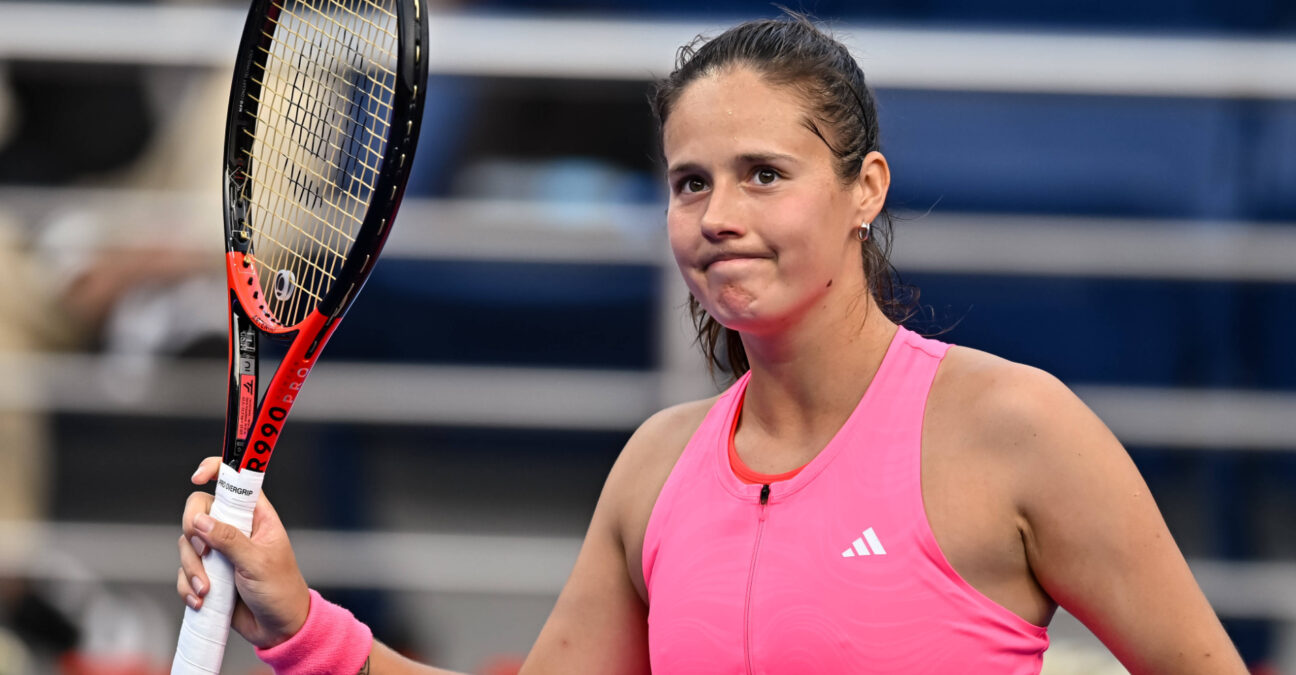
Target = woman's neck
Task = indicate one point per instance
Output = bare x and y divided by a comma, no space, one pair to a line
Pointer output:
807,380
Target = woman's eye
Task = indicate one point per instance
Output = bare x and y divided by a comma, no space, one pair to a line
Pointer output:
766,176
693,184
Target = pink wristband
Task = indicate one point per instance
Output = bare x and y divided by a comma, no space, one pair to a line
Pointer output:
331,642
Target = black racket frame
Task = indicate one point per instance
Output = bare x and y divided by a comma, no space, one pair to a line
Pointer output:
247,323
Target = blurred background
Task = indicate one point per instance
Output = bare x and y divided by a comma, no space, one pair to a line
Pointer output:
1103,190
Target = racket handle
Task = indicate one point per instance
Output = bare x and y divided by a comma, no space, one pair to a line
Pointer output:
203,633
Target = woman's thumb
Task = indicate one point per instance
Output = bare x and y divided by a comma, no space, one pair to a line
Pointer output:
224,538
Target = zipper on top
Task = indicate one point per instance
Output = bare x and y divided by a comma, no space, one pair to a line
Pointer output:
751,578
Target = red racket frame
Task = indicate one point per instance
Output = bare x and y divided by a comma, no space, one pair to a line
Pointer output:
252,429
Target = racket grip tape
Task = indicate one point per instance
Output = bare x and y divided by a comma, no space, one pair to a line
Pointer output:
204,632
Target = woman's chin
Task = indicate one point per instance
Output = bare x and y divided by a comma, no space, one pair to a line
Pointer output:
749,323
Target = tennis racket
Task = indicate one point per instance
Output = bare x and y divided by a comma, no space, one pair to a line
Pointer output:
323,120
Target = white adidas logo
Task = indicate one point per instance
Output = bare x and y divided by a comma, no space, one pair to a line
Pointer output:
858,547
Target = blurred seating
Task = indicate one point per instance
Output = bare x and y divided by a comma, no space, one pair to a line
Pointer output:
1256,16
1212,162
1094,155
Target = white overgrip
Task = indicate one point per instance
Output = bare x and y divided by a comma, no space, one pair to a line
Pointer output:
203,633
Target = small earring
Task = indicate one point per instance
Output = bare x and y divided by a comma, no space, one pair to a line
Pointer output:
862,233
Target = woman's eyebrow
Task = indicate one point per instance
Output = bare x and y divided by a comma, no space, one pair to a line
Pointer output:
744,159
764,157
684,167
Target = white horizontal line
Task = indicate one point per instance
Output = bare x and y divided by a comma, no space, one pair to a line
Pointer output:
340,391
950,59
528,231
1248,589
462,563
958,243
1196,418
623,49
954,243
466,563
1097,247
486,396
120,33
364,393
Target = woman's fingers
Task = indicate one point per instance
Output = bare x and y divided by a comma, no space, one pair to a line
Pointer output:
191,579
198,502
265,520
248,560
192,583
192,566
185,592
207,470
265,569
243,621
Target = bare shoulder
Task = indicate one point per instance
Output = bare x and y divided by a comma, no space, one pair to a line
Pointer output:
661,438
641,471
1020,422
647,460
1006,405
1117,567
599,623
1049,448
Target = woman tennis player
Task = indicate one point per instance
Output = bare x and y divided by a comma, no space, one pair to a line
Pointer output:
862,499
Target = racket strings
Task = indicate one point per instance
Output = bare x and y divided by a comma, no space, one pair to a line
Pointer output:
282,219
290,30
351,160
313,141
319,126
297,182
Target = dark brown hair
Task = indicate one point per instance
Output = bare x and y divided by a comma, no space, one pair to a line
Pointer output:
793,52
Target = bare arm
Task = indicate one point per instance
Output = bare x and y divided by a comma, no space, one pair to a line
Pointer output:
1094,537
383,659
599,624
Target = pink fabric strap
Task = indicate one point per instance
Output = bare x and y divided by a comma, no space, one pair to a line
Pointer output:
331,642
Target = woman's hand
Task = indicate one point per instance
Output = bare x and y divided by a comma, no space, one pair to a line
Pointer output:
273,599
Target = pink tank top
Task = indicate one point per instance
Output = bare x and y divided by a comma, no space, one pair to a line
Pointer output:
834,570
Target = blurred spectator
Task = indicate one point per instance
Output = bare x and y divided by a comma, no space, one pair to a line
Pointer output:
133,268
